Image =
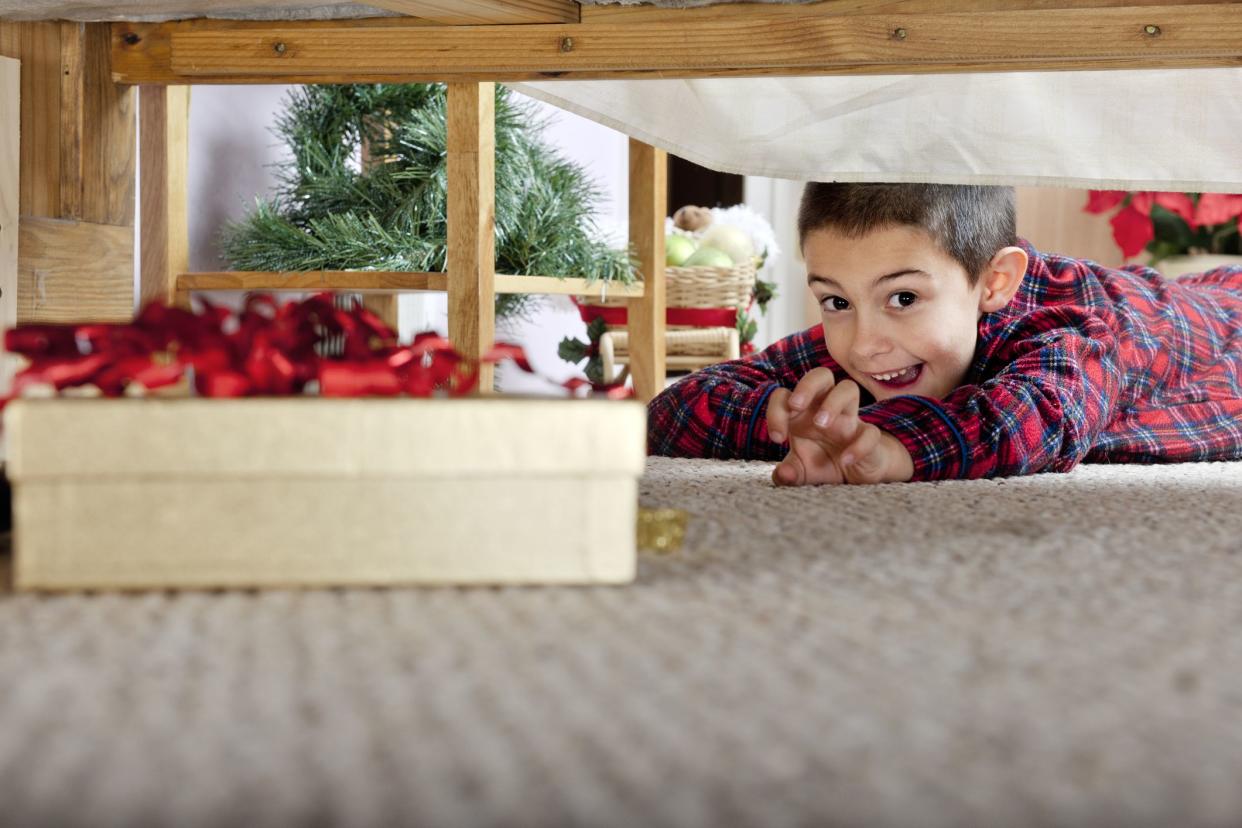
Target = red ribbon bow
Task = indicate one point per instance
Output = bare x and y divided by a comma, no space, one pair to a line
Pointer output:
268,349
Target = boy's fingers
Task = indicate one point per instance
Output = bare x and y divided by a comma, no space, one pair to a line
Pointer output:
778,415
861,458
849,399
838,413
810,389
789,472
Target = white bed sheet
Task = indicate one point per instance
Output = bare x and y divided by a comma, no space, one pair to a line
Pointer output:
1129,129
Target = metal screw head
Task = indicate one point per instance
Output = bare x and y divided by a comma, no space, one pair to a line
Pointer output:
567,44
899,34
279,48
1150,30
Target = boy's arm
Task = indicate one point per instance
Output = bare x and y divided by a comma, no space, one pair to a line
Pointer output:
1042,411
718,412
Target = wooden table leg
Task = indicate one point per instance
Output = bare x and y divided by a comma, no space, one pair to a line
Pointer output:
10,83
648,207
164,121
472,221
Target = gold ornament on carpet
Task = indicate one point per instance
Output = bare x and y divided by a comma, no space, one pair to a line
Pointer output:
661,530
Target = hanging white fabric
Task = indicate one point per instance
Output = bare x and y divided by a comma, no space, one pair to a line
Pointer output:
1159,129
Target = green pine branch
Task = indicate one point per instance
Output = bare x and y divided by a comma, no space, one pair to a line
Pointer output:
328,214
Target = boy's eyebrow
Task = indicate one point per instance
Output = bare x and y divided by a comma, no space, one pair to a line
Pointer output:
812,278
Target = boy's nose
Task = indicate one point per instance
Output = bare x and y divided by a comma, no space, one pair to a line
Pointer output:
870,342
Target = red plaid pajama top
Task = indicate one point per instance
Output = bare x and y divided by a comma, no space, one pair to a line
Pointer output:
1086,364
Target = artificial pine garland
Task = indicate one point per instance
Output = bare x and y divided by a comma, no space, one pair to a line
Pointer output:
332,213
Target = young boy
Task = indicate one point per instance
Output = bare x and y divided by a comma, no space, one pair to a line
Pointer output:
951,349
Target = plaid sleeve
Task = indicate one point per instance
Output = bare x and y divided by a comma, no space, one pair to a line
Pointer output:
721,411
1055,392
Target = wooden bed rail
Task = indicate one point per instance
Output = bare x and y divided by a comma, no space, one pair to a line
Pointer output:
733,40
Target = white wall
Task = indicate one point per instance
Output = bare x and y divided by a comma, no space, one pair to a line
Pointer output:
233,150
777,200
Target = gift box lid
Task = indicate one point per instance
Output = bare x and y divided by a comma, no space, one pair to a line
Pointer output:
319,437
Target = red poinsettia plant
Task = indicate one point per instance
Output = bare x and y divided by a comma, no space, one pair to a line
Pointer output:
1171,224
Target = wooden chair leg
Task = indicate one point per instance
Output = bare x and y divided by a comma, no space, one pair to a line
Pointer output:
471,221
648,206
164,121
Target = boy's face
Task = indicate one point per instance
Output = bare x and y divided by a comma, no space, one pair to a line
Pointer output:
900,315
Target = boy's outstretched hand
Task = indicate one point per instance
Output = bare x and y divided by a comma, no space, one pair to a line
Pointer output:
827,441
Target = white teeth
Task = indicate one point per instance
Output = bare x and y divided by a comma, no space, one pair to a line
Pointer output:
892,375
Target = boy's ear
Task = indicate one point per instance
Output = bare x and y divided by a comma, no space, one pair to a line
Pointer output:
1001,278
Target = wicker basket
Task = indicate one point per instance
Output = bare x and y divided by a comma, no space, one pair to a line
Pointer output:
687,346
694,343
697,287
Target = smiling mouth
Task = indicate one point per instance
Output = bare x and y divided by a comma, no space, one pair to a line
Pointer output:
899,379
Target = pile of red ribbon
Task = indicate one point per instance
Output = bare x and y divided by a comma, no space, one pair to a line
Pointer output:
266,349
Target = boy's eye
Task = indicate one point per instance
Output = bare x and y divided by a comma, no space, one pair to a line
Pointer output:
834,303
902,299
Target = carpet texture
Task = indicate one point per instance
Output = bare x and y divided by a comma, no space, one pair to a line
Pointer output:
1053,650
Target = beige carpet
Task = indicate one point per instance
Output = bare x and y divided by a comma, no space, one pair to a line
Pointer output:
1054,650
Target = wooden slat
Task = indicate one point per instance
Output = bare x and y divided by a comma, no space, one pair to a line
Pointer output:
10,153
147,60
41,86
484,12
77,126
472,221
72,47
617,13
334,280
73,271
37,46
386,307
164,74
648,207
109,137
378,282
556,286
1077,38
164,114
141,51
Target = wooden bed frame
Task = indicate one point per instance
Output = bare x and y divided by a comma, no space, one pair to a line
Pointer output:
78,93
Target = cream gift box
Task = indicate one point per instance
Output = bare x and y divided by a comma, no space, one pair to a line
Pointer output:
305,491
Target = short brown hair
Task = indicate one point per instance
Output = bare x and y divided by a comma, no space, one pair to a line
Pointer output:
969,223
